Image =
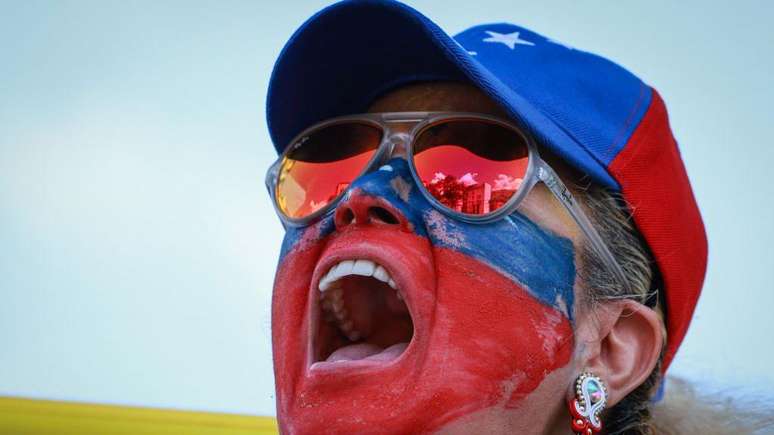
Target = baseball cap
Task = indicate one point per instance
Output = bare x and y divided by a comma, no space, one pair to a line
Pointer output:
592,113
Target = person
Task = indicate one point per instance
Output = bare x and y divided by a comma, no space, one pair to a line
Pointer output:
490,233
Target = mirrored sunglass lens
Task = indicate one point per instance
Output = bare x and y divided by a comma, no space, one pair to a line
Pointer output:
321,166
471,166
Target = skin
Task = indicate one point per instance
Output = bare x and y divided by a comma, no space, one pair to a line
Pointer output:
499,334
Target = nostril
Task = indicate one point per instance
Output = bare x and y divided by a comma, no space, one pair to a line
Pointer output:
345,217
380,214
362,209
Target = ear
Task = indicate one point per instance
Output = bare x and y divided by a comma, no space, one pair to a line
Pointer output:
622,345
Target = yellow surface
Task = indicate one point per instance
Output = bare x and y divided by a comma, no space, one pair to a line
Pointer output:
38,417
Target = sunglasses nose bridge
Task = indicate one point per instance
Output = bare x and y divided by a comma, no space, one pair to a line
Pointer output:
398,142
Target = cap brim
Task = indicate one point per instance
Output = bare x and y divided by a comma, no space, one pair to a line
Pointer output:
348,54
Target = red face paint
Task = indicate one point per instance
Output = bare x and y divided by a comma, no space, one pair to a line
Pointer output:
480,339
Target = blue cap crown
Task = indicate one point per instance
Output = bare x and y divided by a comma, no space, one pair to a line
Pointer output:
581,106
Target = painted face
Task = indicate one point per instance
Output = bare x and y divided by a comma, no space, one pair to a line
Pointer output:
425,323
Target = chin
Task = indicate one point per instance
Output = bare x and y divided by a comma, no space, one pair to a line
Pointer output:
382,331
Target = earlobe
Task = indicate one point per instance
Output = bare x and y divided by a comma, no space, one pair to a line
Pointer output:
629,344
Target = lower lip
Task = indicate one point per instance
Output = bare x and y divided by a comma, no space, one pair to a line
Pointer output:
360,365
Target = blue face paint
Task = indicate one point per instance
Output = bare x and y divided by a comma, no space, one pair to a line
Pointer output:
396,186
541,261
299,237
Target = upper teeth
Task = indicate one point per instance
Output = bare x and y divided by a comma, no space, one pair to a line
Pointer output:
355,267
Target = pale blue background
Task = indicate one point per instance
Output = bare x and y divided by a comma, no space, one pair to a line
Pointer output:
137,243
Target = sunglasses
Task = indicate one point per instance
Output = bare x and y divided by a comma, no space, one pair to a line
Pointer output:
471,167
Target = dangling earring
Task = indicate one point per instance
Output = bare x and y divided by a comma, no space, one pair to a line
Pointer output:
590,399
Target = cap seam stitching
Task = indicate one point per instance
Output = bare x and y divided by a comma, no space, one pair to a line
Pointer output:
629,120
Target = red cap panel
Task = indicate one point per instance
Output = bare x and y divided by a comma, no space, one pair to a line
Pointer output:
654,183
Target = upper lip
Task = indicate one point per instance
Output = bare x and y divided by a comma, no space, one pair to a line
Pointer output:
352,250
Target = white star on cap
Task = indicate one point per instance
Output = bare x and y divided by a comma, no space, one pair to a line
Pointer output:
509,39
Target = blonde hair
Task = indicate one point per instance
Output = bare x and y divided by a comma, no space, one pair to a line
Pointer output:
685,411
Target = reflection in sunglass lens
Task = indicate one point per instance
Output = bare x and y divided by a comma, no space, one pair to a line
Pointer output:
471,166
322,164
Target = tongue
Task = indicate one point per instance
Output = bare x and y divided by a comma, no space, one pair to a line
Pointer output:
390,353
367,351
354,351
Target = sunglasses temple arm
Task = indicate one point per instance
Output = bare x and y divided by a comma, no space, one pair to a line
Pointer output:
547,175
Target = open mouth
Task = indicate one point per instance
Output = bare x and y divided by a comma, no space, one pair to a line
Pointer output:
362,315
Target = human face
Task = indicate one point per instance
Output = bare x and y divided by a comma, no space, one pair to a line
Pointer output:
477,334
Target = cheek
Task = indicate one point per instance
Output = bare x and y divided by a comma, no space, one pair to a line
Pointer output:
300,252
501,340
539,261
299,240
504,306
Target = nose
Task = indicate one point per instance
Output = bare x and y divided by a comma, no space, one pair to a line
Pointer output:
363,208
382,197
